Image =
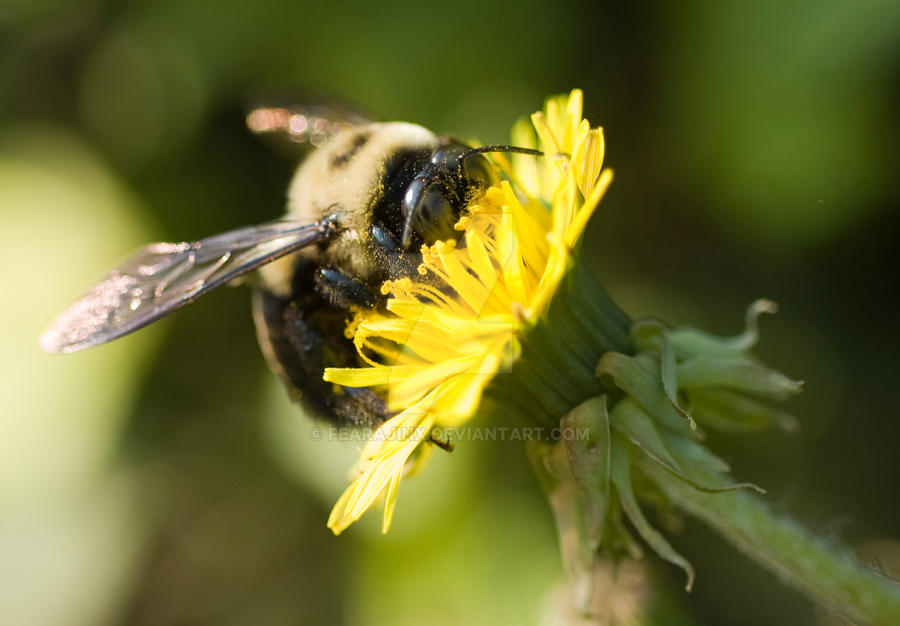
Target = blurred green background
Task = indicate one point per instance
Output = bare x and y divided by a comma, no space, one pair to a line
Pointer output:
166,478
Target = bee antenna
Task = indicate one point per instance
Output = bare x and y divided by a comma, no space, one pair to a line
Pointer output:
499,148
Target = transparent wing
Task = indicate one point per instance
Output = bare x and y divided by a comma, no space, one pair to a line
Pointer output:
163,277
311,123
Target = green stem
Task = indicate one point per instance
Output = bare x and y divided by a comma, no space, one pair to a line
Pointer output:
828,574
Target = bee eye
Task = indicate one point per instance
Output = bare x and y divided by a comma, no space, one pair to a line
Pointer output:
433,205
434,216
448,156
478,170
429,212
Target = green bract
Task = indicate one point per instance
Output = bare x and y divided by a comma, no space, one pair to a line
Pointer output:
656,403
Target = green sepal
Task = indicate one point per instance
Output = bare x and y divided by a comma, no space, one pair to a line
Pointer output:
690,341
588,460
699,463
621,478
632,421
619,539
733,412
652,335
640,377
738,373
690,453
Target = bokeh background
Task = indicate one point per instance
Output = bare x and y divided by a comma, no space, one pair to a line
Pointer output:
166,478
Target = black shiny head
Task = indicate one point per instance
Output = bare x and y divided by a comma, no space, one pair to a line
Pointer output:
435,198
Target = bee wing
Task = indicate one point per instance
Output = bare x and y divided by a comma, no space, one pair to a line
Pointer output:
312,123
163,277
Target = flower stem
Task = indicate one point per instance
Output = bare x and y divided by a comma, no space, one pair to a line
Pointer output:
825,572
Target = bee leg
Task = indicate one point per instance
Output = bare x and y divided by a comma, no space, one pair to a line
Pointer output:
440,443
383,238
342,290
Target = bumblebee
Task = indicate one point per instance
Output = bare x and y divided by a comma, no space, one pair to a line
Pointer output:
360,207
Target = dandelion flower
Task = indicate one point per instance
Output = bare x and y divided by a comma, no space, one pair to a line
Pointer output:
445,337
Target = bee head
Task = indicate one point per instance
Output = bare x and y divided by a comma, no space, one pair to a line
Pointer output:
436,197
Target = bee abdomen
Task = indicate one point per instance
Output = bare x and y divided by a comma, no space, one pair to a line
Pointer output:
302,335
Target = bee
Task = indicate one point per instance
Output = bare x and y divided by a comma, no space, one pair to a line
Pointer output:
359,209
